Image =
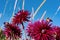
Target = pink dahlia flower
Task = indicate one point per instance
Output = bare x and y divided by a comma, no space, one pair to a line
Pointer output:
57,32
20,17
41,30
12,30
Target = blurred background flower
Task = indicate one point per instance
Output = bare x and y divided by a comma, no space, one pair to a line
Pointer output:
11,31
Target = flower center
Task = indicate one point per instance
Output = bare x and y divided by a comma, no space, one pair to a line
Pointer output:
43,30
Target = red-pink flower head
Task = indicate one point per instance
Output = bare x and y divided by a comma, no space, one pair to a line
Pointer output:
57,32
40,30
11,30
21,16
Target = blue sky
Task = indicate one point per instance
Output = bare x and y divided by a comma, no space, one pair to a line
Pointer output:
50,6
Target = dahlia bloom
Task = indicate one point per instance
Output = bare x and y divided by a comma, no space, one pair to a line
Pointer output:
12,31
57,32
20,17
41,30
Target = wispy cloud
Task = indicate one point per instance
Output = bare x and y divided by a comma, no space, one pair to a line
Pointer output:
56,12
5,7
43,15
32,13
0,15
23,4
19,8
13,10
38,8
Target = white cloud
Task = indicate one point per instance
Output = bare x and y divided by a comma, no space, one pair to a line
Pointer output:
38,8
43,15
0,15
13,10
56,12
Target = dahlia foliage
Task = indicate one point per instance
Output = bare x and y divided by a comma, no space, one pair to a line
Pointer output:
11,31
43,31
2,36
